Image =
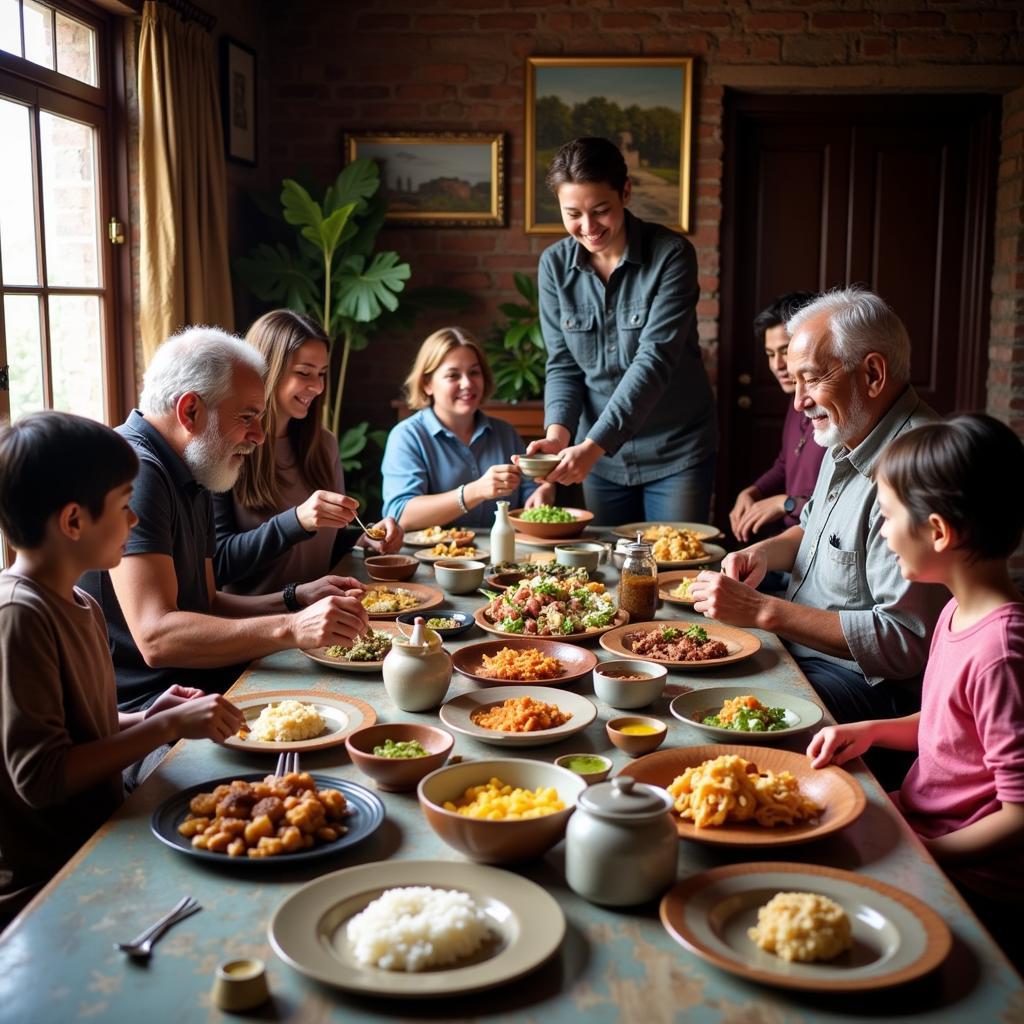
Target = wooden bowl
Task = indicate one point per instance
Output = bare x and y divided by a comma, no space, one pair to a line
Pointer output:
398,775
390,568
551,531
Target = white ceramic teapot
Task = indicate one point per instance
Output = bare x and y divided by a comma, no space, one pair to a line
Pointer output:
417,670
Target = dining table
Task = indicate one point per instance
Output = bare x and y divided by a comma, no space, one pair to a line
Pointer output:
58,962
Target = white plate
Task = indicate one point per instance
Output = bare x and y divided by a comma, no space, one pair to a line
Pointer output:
480,556
308,929
342,715
416,538
801,713
456,715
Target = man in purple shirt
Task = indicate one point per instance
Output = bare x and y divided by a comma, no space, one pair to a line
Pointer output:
773,502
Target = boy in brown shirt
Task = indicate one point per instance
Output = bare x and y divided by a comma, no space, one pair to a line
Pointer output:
65,482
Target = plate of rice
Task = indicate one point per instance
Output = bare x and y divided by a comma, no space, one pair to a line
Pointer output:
518,715
277,721
411,929
367,654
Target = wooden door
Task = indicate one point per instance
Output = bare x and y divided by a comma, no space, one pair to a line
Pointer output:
894,193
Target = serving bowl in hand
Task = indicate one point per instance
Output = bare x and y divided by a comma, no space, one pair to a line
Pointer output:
613,685
537,465
633,743
390,568
398,774
551,531
498,842
459,575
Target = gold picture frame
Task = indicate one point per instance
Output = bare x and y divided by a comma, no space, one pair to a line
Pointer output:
569,96
437,179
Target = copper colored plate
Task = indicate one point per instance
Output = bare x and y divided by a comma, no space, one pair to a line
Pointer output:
551,531
576,661
739,642
832,788
532,540
621,619
341,713
430,597
896,937
668,581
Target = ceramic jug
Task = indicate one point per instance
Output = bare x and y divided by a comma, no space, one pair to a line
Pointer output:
621,845
417,670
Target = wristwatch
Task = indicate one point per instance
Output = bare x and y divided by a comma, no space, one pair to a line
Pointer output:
290,601
789,505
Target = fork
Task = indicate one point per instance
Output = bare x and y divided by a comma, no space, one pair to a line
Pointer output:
287,763
142,944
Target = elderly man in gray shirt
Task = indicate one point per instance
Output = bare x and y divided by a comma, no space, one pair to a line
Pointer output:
856,627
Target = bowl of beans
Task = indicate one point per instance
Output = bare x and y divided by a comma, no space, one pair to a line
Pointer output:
626,684
501,810
397,755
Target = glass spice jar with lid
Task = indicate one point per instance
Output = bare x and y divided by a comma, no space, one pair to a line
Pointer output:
638,585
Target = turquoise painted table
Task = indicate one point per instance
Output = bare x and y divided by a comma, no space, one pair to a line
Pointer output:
57,963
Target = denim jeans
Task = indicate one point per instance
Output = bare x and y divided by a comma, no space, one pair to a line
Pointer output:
681,497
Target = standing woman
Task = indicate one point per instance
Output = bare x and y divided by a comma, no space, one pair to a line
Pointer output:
450,462
626,398
282,522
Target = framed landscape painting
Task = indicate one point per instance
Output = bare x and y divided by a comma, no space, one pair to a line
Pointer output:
438,178
642,104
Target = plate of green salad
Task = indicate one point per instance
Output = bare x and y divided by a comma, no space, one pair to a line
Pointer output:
367,654
549,522
758,716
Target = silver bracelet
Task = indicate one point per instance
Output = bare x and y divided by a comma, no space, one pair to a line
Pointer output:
460,495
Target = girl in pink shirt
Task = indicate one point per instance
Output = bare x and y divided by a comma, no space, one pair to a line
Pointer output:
952,496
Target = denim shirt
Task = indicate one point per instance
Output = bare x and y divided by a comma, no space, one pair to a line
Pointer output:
624,366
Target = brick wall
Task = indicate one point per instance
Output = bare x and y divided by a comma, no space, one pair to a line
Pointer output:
459,64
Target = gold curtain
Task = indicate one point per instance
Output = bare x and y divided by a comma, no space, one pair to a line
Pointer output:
183,266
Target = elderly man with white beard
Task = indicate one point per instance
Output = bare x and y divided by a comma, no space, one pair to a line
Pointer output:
200,415
858,630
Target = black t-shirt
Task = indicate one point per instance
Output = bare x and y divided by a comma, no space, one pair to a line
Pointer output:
176,519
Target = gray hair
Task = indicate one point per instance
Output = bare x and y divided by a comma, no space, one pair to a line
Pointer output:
859,322
199,359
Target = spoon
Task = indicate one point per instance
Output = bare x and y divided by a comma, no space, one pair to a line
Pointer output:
374,533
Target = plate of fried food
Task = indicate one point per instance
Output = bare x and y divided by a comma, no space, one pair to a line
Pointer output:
367,654
287,720
677,643
649,531
518,716
751,796
438,535
674,587
805,927
746,713
389,602
522,660
256,819
450,549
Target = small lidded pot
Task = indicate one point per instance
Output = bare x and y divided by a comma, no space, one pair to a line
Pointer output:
417,670
621,844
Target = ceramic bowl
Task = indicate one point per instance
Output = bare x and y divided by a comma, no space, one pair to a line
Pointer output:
393,774
551,531
626,694
633,744
502,580
464,619
240,985
538,465
581,555
498,842
588,777
390,567
459,575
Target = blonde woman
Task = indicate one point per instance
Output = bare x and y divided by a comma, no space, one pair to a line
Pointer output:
280,527
449,462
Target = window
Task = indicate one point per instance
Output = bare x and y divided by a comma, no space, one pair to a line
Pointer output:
57,265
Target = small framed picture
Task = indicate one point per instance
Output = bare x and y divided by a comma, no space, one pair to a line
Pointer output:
454,179
238,100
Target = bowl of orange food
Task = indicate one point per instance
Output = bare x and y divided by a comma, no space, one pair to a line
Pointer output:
502,810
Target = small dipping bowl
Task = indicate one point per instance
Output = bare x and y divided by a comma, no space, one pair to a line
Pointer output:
597,766
537,465
581,555
240,984
464,619
398,774
459,575
637,743
391,568
626,694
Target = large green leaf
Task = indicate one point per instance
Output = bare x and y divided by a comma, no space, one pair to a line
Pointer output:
332,227
371,220
300,208
526,287
355,184
350,444
275,274
364,293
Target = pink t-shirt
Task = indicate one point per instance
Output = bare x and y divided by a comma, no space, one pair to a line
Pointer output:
971,737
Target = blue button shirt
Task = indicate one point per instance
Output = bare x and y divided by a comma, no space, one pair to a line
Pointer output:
624,366
423,456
